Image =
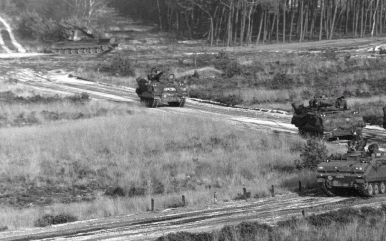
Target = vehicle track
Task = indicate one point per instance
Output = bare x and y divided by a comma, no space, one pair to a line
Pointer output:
255,119
268,210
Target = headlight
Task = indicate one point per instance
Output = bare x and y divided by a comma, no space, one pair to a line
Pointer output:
359,168
170,89
320,168
183,89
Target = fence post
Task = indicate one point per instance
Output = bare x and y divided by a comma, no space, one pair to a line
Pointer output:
273,191
183,200
152,205
300,187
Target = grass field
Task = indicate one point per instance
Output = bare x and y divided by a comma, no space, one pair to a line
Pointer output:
63,157
143,154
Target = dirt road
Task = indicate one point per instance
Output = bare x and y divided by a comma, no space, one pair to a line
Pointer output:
152,225
263,119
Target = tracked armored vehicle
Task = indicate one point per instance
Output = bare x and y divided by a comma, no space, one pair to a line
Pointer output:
360,170
384,117
328,119
84,43
155,90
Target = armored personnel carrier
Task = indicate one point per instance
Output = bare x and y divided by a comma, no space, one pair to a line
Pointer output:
327,118
84,43
384,117
155,90
364,171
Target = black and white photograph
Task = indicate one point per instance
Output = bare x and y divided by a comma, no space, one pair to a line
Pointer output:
193,120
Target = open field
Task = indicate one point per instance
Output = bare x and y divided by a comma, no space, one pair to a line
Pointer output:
105,155
71,161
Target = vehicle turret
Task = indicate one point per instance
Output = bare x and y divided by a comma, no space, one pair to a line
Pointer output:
327,118
360,170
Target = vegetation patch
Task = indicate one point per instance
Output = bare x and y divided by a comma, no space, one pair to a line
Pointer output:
49,219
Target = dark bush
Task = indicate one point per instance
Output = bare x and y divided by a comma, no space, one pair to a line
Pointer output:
158,186
251,230
185,236
33,26
115,192
370,211
227,233
136,191
314,152
3,228
291,223
342,216
230,100
119,64
48,219
282,81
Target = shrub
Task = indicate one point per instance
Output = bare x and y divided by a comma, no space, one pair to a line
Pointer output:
136,191
230,100
48,219
185,236
282,81
115,192
251,230
314,152
33,26
119,65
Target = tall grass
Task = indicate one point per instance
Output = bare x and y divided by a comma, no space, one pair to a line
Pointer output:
165,154
20,114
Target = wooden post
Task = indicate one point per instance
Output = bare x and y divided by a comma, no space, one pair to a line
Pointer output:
300,187
273,191
152,205
303,213
183,200
215,197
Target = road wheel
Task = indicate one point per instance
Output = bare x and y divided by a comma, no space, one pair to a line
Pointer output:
61,51
366,189
67,51
74,51
382,188
182,103
93,51
154,103
376,189
328,188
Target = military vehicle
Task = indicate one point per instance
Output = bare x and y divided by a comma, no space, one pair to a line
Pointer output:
360,170
327,118
155,90
83,43
384,117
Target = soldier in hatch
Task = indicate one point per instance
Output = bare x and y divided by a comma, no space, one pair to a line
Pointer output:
155,75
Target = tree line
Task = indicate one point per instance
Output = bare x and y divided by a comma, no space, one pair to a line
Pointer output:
259,21
229,22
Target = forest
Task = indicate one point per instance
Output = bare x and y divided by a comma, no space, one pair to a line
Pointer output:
226,22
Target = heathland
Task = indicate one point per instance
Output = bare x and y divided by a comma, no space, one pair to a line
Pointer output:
87,158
